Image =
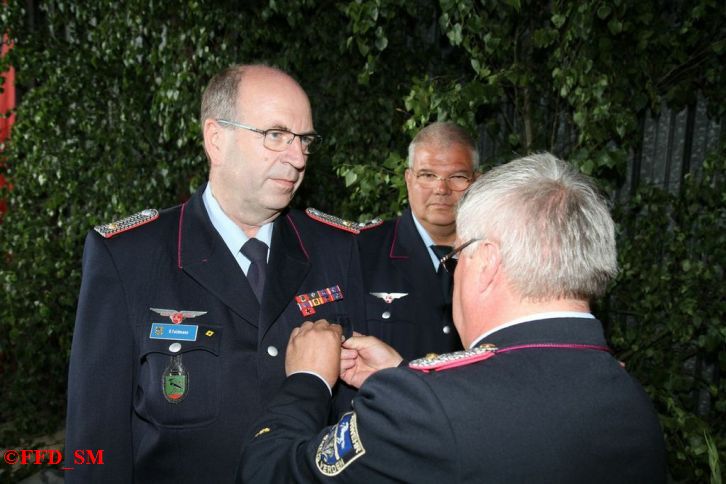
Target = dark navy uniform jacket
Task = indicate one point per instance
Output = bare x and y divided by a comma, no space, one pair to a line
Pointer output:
417,318
531,415
235,365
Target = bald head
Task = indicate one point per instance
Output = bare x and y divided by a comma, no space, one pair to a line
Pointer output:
223,99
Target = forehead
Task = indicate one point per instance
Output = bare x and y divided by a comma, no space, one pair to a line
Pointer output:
271,99
439,158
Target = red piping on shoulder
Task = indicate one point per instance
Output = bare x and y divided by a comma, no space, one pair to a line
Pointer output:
299,239
393,243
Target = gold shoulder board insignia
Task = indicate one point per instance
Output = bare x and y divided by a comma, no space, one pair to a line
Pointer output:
339,223
131,222
433,362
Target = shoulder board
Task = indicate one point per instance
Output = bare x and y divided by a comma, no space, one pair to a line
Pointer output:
131,222
339,223
433,362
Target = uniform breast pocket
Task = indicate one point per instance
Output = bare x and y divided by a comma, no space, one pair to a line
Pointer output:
388,318
178,381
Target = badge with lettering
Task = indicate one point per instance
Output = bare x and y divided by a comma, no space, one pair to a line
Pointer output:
339,447
177,316
176,332
388,297
307,302
175,381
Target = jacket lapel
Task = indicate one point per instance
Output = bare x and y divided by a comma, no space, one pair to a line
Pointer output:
417,266
203,255
287,269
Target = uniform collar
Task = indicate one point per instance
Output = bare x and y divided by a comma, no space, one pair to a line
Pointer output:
532,317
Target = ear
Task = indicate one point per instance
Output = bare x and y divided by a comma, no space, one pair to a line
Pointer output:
214,141
489,261
409,177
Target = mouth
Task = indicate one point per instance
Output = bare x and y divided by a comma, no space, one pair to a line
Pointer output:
284,183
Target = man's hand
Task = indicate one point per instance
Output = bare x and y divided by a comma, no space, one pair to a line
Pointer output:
364,355
315,347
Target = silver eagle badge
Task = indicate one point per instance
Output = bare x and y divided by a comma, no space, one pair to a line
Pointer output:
389,296
178,316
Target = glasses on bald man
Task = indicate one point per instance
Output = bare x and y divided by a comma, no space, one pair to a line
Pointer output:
277,139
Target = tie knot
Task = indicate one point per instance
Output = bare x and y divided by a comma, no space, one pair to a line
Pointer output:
255,250
441,250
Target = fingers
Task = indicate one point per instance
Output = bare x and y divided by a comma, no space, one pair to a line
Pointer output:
347,354
319,325
359,342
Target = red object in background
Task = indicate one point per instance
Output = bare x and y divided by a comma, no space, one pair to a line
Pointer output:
7,103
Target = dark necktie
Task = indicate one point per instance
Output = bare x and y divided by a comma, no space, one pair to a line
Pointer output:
256,252
445,279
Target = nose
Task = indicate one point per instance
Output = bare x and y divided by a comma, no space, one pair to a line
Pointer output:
294,153
441,186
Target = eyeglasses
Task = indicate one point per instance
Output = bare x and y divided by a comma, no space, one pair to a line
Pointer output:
456,182
449,260
279,139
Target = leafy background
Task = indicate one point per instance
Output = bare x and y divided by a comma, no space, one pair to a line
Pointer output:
107,125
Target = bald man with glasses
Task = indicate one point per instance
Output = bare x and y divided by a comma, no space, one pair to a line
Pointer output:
184,314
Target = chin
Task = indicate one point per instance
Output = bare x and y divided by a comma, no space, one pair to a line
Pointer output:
442,221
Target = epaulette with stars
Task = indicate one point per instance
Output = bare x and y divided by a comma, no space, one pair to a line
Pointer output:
434,362
131,222
342,224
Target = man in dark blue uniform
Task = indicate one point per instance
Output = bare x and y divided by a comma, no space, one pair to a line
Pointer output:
536,397
408,294
184,315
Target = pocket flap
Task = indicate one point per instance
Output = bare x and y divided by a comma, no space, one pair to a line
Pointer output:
177,339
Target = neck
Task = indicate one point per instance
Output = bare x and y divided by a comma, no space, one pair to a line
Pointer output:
441,235
251,229
512,307
249,219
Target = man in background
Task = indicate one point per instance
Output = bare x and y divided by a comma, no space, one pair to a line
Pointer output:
184,314
536,397
408,293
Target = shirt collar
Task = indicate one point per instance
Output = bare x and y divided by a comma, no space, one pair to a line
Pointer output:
233,236
427,240
533,317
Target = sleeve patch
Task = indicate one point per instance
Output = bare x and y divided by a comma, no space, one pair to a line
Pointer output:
342,224
131,222
340,446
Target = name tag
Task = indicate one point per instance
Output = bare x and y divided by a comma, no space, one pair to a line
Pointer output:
178,332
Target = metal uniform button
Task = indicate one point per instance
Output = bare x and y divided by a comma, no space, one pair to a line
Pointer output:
174,347
272,351
446,329
386,314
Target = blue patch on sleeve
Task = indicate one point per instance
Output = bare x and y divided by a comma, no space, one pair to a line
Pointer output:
340,446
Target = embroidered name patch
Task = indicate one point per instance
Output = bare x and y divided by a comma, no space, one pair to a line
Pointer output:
307,302
339,447
177,332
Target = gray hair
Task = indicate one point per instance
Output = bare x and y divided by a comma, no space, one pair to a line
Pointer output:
555,232
444,134
219,100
